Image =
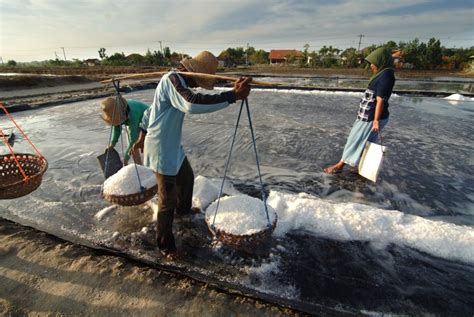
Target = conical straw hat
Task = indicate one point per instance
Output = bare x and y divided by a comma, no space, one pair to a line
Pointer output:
108,105
205,62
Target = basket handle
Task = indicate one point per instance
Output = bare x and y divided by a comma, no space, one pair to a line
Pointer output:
26,178
22,132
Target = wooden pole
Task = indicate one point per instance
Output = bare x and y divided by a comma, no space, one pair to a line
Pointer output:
189,74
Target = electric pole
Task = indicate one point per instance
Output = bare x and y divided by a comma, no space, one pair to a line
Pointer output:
161,49
56,54
64,53
247,55
360,41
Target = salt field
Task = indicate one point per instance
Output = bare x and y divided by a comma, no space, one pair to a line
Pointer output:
342,244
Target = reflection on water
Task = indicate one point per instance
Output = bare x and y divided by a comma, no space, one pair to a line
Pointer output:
428,172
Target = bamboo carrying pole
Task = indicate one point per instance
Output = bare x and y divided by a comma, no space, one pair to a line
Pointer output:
189,74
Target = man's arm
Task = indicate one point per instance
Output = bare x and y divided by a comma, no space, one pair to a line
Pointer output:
186,100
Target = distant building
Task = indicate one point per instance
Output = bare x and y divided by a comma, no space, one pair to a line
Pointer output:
92,62
285,56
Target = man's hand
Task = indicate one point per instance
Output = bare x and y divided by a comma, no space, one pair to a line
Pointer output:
242,87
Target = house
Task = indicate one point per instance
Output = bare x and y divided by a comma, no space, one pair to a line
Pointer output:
285,56
92,62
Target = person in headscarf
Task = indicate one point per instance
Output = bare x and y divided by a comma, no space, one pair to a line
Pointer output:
161,133
373,111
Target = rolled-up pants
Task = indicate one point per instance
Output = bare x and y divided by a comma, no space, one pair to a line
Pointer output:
175,194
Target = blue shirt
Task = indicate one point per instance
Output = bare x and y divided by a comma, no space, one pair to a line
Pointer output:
163,121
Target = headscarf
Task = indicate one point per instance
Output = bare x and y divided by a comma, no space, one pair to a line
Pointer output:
382,58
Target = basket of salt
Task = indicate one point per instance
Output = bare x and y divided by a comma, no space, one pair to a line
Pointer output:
240,220
13,183
123,188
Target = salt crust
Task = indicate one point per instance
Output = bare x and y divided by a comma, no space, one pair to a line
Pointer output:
458,97
125,181
240,215
353,221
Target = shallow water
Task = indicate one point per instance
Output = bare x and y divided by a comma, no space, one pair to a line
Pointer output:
441,84
428,172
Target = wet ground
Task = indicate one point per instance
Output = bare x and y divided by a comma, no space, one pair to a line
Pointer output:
428,172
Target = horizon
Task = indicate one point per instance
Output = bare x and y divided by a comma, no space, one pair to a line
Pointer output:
38,30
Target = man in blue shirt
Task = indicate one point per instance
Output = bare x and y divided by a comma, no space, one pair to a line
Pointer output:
161,133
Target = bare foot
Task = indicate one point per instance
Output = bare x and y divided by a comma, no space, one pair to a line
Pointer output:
172,255
334,169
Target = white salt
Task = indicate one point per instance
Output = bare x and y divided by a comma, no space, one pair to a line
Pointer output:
458,97
125,181
352,221
240,215
206,191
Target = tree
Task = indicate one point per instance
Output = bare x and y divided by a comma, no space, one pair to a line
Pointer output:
102,54
11,63
117,59
259,57
350,57
433,53
305,59
233,56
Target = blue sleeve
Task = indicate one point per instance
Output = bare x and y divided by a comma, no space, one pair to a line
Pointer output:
145,120
187,101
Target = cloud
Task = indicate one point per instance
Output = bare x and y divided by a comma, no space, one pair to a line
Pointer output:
38,27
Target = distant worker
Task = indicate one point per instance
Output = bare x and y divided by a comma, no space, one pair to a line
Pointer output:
373,109
161,133
129,113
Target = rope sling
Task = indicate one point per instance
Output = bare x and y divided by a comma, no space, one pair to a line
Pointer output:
262,191
30,166
118,97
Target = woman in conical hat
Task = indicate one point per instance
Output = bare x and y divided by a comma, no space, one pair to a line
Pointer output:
373,111
117,111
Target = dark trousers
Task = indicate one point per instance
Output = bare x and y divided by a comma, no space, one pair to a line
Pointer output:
175,194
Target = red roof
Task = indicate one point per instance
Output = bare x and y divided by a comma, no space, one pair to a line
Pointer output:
283,54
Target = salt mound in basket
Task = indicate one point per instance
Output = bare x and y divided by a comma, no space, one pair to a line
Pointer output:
240,219
123,187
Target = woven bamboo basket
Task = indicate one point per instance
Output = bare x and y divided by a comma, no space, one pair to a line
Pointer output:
12,184
132,199
245,239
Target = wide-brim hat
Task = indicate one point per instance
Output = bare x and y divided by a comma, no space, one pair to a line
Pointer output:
114,110
205,62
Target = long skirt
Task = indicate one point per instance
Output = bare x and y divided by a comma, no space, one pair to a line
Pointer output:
361,132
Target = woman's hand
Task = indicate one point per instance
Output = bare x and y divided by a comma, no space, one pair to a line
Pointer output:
376,126
137,148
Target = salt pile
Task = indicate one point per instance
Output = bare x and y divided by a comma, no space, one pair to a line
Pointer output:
207,190
125,181
240,215
458,97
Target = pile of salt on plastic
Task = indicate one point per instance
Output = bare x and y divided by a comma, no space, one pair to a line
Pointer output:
207,190
125,181
240,215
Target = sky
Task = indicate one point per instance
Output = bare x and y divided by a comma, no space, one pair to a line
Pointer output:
43,29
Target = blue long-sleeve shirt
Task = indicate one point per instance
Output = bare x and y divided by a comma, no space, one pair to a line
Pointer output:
163,121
